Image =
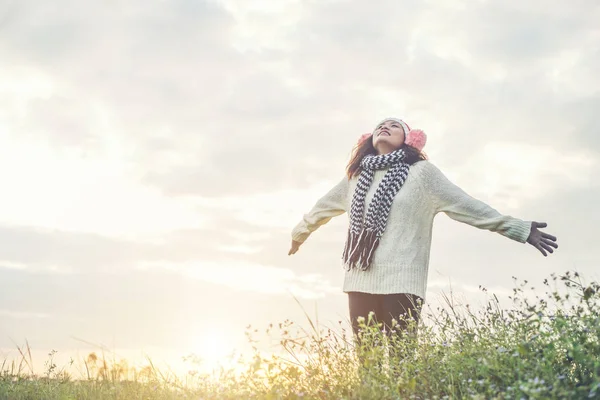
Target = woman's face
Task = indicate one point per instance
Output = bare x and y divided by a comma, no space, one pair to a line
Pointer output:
388,136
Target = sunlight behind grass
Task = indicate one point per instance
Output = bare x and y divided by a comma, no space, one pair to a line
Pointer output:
546,348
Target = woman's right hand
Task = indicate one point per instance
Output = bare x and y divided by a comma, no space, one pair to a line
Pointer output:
295,247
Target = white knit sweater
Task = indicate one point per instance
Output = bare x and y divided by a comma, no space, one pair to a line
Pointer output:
401,262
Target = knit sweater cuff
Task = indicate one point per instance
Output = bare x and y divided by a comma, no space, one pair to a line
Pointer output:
300,233
519,230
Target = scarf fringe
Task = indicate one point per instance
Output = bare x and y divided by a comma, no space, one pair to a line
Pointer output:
360,249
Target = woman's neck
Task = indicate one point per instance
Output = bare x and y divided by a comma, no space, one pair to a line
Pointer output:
383,149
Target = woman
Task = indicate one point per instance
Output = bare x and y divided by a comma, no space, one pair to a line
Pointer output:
392,193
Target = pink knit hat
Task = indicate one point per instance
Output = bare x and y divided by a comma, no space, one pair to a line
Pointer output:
412,137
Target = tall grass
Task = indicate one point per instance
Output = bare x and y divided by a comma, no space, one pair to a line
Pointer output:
542,347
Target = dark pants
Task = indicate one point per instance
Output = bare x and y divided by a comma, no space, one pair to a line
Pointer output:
385,307
402,307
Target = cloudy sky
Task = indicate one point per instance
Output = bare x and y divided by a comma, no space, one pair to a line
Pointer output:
155,155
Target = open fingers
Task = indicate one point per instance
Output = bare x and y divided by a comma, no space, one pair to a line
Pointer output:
546,247
547,236
549,242
541,249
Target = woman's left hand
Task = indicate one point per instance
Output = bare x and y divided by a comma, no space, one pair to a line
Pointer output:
540,240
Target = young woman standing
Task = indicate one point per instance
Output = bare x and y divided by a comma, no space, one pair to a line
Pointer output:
392,194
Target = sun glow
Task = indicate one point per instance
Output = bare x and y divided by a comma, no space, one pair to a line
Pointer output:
213,350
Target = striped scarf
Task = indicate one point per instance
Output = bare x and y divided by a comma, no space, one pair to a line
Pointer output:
363,240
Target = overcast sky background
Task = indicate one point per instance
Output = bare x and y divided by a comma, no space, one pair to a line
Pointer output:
155,155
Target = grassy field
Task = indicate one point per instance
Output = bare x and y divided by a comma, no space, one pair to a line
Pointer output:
542,347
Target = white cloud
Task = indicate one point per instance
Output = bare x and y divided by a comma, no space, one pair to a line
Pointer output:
47,188
241,249
272,209
511,173
25,84
35,267
247,276
13,265
23,315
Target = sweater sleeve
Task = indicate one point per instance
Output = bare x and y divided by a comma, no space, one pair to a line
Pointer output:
327,207
458,205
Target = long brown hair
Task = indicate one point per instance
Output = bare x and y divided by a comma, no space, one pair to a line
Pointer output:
366,148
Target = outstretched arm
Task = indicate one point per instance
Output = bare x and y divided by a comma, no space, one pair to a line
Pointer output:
327,207
458,205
